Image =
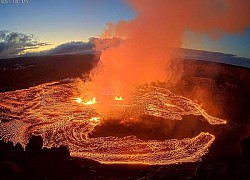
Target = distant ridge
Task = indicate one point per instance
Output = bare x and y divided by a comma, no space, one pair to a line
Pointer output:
182,53
211,57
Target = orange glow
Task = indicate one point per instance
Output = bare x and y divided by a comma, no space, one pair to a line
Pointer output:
145,55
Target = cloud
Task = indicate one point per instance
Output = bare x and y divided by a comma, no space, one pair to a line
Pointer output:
13,44
74,47
93,45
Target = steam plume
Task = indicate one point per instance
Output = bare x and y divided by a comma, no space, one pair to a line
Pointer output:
145,53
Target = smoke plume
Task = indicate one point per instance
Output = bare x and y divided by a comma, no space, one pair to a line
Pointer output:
144,54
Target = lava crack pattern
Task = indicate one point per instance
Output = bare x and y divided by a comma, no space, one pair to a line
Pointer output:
50,110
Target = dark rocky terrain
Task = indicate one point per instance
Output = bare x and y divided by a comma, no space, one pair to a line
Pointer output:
23,72
223,91
55,163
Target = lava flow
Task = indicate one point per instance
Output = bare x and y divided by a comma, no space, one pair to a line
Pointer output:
48,110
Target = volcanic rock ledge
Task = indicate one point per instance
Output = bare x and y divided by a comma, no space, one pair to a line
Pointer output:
36,162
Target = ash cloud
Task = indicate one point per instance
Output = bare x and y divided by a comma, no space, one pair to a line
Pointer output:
13,44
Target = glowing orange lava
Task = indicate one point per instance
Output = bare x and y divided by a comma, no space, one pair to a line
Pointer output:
78,100
118,98
95,119
91,102
48,110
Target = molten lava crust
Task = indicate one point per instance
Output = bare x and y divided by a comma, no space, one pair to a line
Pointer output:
52,111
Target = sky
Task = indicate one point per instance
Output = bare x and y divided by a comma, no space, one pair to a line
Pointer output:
60,21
